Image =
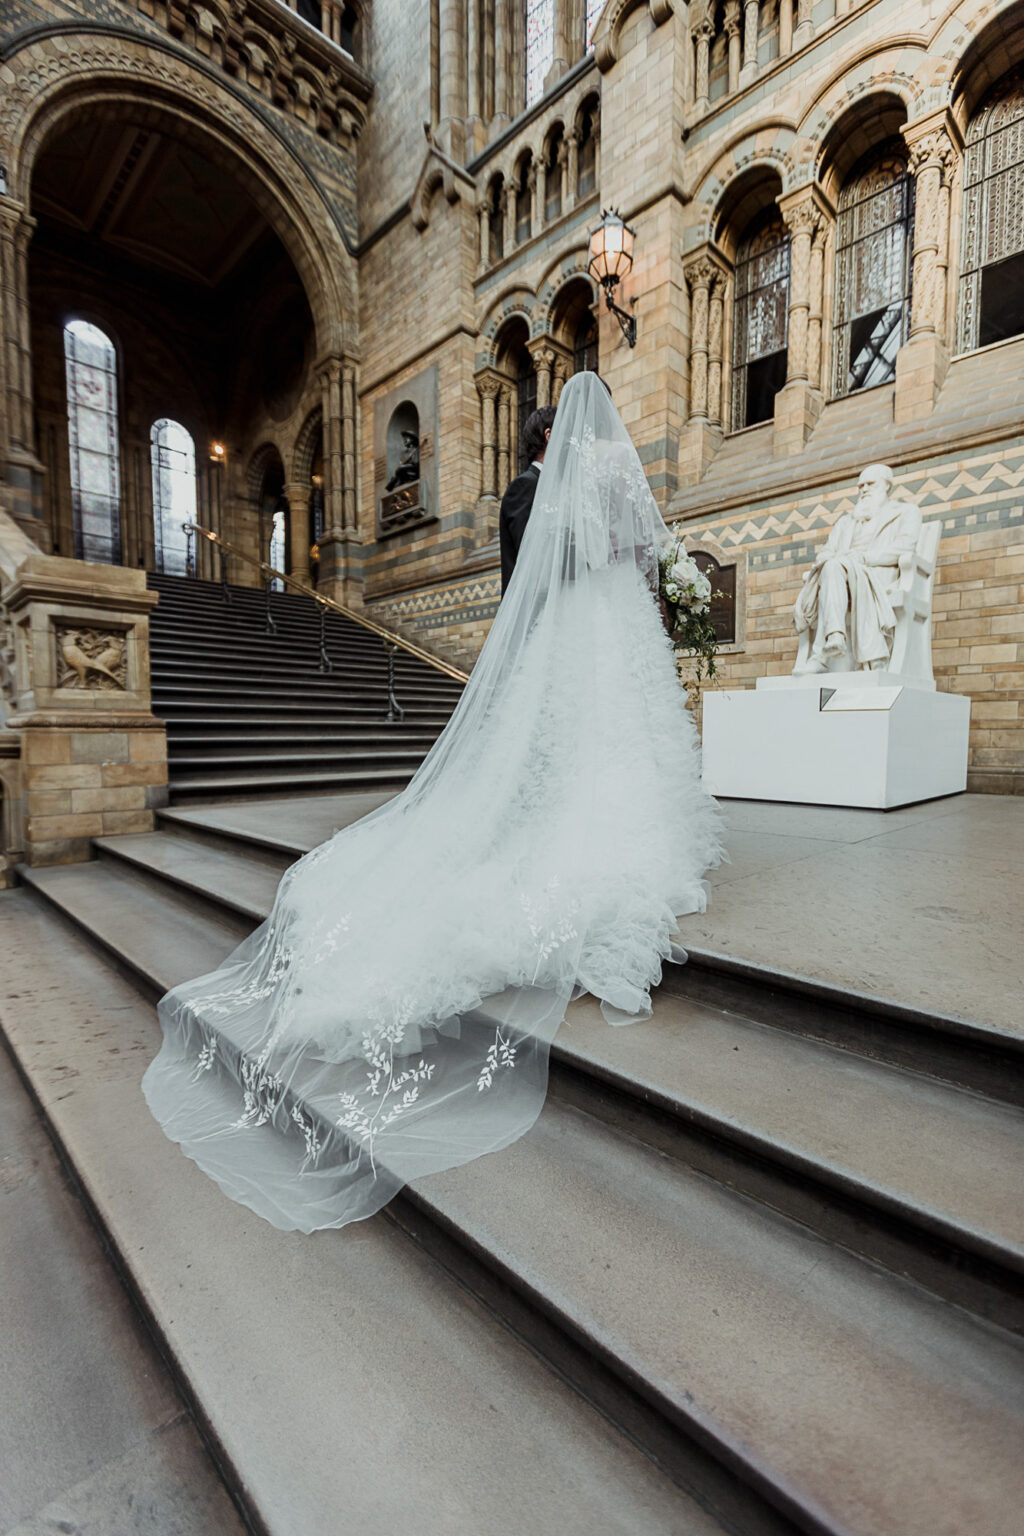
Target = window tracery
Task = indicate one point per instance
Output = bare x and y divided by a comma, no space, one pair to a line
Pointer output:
874,231
992,265
760,319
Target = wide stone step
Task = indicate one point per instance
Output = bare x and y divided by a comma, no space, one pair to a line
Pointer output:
850,1145
790,1382
282,756
284,712
253,738
344,1383
292,781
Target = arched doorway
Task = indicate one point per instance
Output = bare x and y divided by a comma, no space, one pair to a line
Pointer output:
199,217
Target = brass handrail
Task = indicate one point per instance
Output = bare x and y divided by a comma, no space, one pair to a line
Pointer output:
387,635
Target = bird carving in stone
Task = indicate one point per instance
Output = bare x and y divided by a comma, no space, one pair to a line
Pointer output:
82,664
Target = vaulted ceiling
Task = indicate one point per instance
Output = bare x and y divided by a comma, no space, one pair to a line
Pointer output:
148,197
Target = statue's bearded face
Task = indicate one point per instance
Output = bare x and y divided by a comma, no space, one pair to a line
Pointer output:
872,489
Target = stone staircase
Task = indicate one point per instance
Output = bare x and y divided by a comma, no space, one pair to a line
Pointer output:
773,1237
250,713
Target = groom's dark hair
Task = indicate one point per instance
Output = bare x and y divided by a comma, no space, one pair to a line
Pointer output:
537,423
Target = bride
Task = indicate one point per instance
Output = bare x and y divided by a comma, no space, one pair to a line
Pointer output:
393,1015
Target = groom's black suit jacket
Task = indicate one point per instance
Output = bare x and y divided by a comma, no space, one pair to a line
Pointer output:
513,518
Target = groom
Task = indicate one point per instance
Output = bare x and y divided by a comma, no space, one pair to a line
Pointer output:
518,499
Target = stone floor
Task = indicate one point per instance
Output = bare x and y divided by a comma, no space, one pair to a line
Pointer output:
94,1440
924,905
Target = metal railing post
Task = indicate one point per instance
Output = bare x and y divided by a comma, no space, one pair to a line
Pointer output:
325,660
395,710
224,577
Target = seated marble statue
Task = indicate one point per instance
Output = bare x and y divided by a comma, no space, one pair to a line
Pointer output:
846,604
408,469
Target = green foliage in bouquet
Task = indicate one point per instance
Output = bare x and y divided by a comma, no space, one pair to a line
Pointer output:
686,594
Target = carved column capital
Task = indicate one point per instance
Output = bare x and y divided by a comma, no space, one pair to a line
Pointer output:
488,385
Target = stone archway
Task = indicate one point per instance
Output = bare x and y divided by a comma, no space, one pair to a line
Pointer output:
110,78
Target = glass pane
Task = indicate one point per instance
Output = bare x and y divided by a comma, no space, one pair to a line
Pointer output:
173,459
594,9
90,365
540,42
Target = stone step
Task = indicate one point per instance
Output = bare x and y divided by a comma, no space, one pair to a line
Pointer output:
342,1381
283,755
283,712
238,884
195,786
391,736
765,1367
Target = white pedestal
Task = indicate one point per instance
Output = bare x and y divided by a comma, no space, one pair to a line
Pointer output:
860,739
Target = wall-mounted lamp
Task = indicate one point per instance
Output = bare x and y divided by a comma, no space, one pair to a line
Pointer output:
217,453
611,259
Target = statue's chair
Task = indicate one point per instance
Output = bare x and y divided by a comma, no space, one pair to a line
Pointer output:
911,654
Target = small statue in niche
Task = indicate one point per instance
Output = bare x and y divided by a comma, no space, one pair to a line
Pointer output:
409,464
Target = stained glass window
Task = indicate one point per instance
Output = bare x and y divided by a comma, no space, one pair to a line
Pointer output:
91,371
540,46
173,457
992,280
761,314
873,238
594,9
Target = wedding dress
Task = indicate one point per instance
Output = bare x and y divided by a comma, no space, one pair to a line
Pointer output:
393,1015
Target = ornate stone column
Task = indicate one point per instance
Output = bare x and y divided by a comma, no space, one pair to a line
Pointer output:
540,189
20,468
348,446
934,150
733,30
505,397
569,156
563,371
488,388
751,22
804,23
928,162
803,220
502,60
330,412
699,277
508,213
484,217
705,280
543,355
716,301
819,244
702,36
532,182
785,28
798,405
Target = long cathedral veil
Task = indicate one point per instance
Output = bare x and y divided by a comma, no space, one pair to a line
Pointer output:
393,1015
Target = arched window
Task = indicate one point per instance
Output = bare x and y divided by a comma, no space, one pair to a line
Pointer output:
584,351
173,458
310,11
992,280
91,371
761,308
526,399
553,176
873,241
496,225
523,199
586,161
540,46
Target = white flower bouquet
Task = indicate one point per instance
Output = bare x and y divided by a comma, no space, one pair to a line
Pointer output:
686,595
